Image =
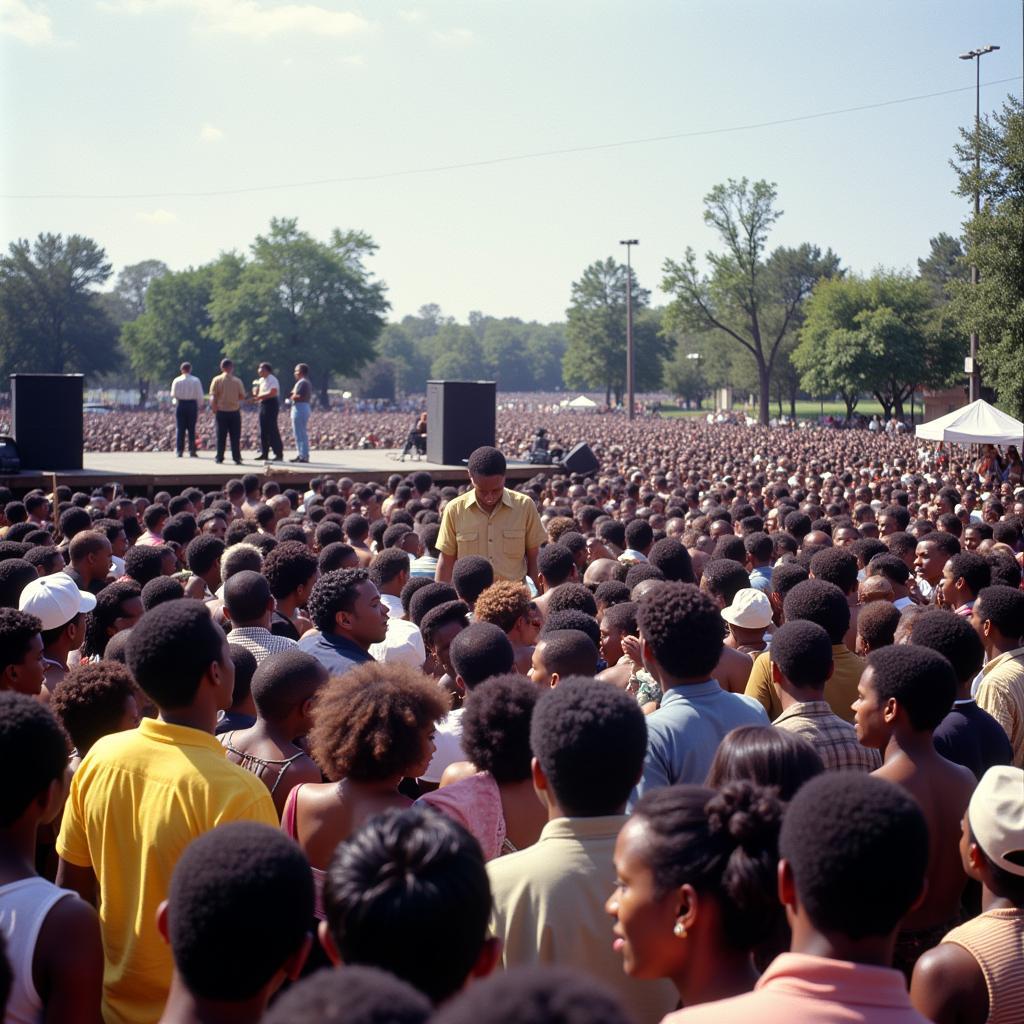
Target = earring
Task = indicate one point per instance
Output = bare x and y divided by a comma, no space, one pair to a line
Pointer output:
679,930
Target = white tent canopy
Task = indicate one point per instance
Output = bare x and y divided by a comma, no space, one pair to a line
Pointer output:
582,402
977,423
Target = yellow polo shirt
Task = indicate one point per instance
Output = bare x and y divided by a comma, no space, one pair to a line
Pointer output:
503,537
840,690
227,392
138,799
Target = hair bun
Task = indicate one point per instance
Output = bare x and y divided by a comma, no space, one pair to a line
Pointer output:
748,814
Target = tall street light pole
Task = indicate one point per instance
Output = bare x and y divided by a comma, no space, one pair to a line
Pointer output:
630,404
974,374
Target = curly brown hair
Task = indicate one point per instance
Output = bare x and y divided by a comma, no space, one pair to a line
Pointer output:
559,525
503,603
90,700
368,724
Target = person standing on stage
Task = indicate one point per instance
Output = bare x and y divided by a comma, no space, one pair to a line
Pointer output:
266,392
187,393
226,397
301,397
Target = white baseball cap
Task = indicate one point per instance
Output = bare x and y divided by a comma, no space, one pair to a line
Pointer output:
55,600
996,817
750,609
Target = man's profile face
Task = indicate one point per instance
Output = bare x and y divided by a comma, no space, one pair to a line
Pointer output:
368,620
488,491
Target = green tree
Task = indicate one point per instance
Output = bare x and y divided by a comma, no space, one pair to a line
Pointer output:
994,308
300,300
175,327
876,334
506,354
683,374
546,345
595,355
457,354
51,317
408,357
943,265
752,297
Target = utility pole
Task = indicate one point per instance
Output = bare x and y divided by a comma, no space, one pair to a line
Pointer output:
973,371
630,402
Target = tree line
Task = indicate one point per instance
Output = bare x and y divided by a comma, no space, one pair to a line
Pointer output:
772,322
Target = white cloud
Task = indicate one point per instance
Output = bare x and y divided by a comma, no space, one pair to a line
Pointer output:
156,217
412,16
454,36
210,132
27,22
257,19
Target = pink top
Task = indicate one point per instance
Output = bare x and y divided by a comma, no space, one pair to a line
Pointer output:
475,803
802,989
319,877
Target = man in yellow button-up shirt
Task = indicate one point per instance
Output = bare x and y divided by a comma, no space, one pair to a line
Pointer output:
490,520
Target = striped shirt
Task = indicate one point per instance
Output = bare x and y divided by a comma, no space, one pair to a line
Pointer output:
834,739
996,940
259,642
1001,694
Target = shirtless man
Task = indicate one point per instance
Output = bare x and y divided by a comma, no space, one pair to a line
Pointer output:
904,693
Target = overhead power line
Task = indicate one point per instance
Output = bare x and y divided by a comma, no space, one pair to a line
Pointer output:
469,164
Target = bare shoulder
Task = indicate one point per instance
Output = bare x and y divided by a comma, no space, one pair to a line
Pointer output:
948,986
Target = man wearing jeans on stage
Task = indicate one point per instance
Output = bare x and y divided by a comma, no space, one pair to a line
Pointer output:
226,397
301,395
187,393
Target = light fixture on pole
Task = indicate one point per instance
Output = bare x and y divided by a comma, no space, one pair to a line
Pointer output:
630,403
973,372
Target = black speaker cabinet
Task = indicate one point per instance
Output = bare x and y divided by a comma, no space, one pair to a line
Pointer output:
460,418
581,460
46,419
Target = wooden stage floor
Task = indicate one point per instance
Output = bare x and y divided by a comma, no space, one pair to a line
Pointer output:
148,472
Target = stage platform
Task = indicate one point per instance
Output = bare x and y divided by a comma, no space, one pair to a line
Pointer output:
148,472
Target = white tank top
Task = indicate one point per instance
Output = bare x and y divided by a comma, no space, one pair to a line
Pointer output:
23,909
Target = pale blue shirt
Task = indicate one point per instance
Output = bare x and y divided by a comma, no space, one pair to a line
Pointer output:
684,733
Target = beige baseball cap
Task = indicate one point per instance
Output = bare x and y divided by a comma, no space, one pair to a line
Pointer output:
750,609
996,816
55,600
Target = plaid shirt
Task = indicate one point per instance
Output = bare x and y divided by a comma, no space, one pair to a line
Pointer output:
259,642
834,739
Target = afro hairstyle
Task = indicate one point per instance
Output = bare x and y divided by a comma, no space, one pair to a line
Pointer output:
672,559
33,752
820,602
590,740
480,651
920,680
91,699
241,878
837,566
857,848
496,727
172,648
571,618
1004,608
471,576
569,652
877,622
572,595
683,629
803,652
952,636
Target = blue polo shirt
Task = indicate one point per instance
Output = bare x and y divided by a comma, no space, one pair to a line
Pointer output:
336,653
684,733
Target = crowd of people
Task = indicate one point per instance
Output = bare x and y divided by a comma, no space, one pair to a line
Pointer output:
732,729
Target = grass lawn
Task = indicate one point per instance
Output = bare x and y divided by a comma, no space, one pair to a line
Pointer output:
804,409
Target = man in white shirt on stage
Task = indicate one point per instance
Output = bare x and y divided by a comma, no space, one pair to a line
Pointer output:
187,393
266,392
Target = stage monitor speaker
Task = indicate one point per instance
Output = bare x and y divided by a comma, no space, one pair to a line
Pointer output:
581,460
46,419
460,418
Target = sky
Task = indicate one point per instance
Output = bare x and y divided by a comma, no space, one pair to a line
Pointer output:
492,148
